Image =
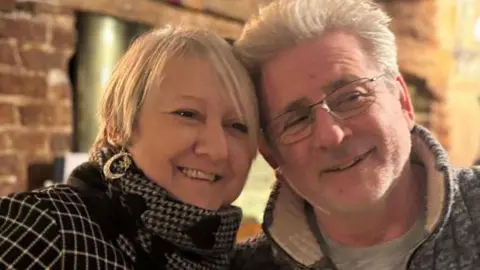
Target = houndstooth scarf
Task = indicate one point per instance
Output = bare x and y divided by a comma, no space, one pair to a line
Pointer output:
159,232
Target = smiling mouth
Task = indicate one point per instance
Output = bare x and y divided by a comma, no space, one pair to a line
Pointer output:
354,162
199,175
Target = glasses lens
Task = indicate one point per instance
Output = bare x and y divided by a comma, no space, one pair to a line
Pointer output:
343,103
293,125
352,99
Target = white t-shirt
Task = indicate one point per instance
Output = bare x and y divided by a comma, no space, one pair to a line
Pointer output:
391,255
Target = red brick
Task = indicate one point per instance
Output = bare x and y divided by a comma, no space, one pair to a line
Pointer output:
30,142
9,164
63,38
60,143
33,86
41,7
5,140
63,115
38,60
7,5
46,114
24,30
7,114
34,115
39,155
7,52
30,86
61,91
10,84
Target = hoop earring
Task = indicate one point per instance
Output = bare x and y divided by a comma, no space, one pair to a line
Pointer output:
117,165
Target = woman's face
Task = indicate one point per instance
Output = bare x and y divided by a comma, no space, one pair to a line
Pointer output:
189,138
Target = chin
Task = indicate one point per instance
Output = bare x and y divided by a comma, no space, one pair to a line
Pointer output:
205,205
212,206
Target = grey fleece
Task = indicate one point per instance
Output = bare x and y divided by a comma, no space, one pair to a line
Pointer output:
453,221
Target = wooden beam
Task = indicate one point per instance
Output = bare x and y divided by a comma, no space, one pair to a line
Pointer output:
236,9
155,13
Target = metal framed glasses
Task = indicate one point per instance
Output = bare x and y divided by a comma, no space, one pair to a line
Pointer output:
297,123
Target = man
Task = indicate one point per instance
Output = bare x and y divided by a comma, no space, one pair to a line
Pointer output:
360,185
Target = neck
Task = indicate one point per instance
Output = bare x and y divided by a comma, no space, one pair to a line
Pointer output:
383,222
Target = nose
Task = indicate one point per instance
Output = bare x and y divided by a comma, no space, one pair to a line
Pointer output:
328,131
212,143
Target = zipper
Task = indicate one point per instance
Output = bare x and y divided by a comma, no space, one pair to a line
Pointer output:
441,221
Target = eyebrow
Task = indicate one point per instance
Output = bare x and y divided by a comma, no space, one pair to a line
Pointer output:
292,106
189,97
339,83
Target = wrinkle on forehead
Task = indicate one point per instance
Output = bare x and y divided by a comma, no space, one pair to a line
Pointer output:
311,70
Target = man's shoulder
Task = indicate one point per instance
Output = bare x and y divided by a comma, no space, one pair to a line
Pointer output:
468,179
255,253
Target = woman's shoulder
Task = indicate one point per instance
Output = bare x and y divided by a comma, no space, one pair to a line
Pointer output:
56,199
50,228
29,227
43,209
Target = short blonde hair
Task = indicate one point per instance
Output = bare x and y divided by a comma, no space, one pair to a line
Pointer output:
144,62
285,23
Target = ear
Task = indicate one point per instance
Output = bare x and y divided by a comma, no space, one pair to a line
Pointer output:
111,135
267,153
406,102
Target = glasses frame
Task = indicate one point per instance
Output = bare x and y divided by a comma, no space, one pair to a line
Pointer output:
323,103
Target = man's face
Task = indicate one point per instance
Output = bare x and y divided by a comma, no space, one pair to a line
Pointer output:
344,164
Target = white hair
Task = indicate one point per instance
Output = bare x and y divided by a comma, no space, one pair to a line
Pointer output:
144,62
283,24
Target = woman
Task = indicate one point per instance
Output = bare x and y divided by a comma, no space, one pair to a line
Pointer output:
177,137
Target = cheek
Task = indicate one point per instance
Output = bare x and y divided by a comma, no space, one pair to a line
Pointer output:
389,130
297,161
240,159
295,155
153,152
153,160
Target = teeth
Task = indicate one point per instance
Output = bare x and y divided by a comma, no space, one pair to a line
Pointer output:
192,173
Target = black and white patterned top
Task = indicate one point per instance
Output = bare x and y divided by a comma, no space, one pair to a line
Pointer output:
124,223
52,229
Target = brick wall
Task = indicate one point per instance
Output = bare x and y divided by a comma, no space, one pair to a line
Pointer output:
36,43
435,42
421,58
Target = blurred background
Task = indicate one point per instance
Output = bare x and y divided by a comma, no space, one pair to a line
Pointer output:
56,55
